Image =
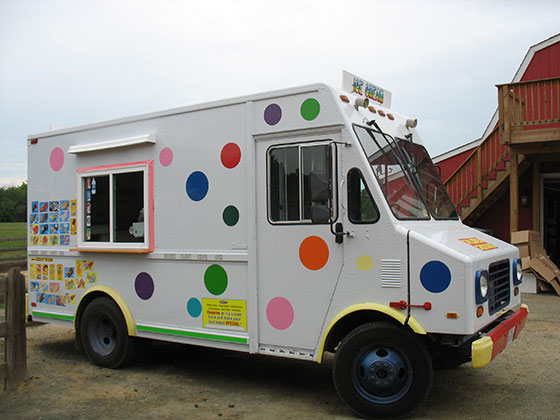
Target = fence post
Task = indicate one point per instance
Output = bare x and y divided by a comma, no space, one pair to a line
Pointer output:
16,349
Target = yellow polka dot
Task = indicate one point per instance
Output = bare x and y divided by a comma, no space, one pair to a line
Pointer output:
364,263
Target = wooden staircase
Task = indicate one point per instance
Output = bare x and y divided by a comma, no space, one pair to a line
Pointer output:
480,180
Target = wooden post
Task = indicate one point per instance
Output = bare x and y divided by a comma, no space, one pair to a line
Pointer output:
3,332
479,174
536,195
513,192
16,349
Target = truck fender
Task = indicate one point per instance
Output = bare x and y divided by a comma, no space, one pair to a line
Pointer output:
397,315
106,290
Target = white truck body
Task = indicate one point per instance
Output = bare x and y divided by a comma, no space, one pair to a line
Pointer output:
202,225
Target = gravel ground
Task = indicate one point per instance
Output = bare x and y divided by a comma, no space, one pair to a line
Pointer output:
185,382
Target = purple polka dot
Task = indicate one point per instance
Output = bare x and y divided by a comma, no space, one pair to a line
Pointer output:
57,159
144,286
280,313
272,114
166,156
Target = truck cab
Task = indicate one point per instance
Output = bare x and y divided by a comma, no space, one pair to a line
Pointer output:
389,278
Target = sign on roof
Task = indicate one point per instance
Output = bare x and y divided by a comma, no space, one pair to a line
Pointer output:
359,86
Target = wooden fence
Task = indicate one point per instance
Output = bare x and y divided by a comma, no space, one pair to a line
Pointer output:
12,329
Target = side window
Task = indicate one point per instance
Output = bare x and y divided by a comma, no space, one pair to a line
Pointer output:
300,183
361,207
114,207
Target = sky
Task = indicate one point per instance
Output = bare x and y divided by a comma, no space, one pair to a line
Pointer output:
65,63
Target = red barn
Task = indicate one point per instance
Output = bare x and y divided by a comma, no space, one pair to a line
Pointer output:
509,179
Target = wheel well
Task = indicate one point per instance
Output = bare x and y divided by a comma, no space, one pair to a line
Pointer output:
354,320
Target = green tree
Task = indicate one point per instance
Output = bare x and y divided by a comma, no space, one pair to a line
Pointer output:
13,203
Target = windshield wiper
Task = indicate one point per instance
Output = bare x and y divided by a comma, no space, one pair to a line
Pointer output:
402,157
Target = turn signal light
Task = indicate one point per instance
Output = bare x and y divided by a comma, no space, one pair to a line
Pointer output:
344,98
452,315
371,109
479,311
516,291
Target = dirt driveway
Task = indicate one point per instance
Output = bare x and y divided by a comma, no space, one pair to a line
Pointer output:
184,382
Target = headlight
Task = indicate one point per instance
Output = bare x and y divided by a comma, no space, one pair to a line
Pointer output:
517,271
481,286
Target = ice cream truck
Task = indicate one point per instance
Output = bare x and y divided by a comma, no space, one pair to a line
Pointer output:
288,223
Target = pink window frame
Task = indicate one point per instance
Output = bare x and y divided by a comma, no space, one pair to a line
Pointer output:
150,164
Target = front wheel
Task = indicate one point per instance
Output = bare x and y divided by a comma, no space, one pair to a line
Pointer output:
382,371
104,334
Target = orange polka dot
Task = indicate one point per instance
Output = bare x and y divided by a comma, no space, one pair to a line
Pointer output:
313,252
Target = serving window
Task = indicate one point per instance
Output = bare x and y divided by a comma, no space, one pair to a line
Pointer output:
115,207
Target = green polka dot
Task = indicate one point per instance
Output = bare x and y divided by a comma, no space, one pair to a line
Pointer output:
215,279
230,215
310,109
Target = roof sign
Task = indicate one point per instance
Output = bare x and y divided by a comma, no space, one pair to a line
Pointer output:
359,86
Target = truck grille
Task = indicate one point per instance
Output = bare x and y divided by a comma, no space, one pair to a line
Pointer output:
499,289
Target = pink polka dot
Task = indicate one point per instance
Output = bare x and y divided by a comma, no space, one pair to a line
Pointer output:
231,155
280,313
57,159
166,156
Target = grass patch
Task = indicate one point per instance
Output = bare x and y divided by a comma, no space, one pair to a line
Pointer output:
13,230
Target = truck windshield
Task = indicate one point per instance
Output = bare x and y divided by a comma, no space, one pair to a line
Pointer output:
407,176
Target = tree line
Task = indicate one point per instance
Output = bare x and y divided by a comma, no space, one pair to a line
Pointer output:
13,203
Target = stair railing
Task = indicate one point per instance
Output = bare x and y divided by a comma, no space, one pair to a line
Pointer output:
472,176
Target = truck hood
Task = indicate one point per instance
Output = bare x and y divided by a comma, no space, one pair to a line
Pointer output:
465,243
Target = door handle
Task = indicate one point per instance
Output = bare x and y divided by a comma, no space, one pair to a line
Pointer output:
338,233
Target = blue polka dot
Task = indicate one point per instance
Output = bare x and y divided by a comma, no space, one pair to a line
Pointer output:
197,186
435,276
194,308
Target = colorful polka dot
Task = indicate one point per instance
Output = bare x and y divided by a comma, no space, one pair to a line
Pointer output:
310,109
364,263
230,215
435,276
194,307
273,114
231,155
166,156
197,186
57,159
215,279
313,253
280,313
144,286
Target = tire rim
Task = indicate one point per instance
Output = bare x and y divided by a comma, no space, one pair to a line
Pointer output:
381,375
101,334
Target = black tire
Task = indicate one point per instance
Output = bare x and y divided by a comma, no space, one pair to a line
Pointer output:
382,371
104,334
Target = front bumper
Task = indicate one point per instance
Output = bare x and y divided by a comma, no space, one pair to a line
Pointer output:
485,349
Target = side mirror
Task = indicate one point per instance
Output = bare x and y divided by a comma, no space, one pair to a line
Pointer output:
320,186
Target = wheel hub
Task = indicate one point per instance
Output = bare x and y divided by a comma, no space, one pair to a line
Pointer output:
381,372
382,375
102,336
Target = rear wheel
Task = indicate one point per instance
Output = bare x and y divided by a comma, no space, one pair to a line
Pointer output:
104,334
382,371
